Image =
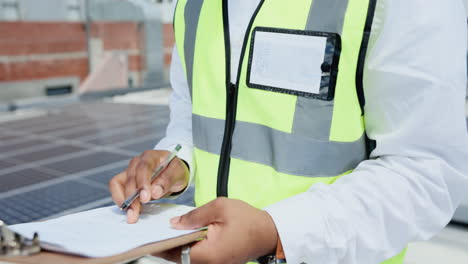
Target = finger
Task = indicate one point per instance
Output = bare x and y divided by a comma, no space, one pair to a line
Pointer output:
201,252
134,211
148,161
180,175
173,179
132,165
117,188
131,168
161,186
200,217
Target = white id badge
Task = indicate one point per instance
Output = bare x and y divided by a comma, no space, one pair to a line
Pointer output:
293,61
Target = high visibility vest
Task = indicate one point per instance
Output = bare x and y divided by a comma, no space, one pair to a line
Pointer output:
260,143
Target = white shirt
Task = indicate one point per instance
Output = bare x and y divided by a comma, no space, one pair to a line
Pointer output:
414,81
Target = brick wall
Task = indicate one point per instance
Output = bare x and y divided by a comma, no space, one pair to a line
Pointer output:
169,41
43,69
31,50
18,38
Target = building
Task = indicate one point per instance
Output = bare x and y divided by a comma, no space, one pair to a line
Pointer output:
49,47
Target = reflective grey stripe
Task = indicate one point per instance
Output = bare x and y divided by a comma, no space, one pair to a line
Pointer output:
313,117
191,14
207,133
327,15
286,153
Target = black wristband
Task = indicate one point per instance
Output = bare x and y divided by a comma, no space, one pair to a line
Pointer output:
188,167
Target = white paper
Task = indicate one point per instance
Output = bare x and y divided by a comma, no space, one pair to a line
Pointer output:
288,61
104,232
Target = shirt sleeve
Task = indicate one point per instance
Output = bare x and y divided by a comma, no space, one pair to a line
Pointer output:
415,79
179,129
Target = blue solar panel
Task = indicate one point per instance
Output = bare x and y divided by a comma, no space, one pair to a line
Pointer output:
126,136
141,146
24,177
5,164
44,169
86,162
44,202
25,143
55,151
104,177
5,138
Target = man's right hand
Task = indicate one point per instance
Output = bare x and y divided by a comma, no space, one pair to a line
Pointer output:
172,180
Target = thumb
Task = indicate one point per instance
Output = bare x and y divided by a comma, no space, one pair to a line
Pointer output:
199,217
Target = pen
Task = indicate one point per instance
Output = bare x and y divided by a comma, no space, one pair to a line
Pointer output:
155,174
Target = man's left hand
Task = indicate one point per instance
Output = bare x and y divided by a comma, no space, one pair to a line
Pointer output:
237,232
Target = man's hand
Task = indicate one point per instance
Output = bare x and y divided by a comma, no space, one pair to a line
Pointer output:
173,179
237,232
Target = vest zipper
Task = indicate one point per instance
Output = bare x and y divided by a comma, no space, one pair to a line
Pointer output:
232,91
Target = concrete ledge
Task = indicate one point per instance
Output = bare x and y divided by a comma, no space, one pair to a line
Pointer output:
115,92
38,102
45,102
152,97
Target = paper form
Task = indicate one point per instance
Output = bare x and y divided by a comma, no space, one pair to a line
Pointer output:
104,232
288,61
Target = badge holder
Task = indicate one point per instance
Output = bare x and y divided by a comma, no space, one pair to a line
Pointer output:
277,47
13,244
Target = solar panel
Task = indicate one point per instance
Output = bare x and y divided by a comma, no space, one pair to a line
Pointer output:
91,160
58,150
45,202
104,176
44,123
57,124
22,178
62,161
23,123
141,146
118,137
5,138
81,133
5,164
25,143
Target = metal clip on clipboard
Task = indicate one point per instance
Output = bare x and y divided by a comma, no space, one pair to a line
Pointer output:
14,244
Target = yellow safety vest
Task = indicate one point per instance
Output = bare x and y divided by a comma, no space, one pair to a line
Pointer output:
260,143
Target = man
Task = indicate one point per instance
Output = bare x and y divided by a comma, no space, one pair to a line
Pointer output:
347,165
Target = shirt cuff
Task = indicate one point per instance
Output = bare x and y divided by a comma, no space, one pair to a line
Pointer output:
301,224
185,154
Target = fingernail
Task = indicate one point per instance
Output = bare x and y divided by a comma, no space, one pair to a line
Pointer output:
144,196
157,191
175,220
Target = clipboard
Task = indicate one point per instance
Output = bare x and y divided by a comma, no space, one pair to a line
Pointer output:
48,257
